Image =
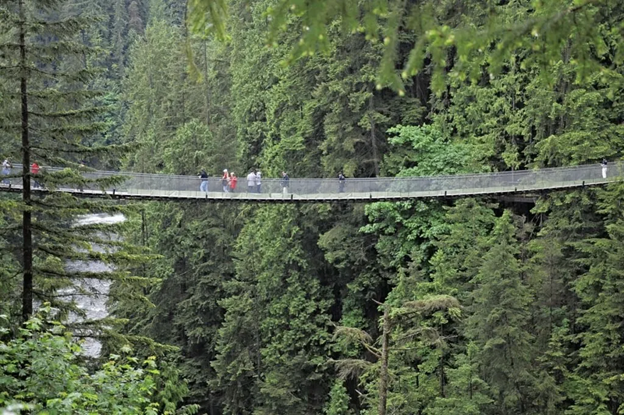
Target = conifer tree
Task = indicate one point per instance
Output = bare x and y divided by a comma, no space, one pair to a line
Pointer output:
407,351
466,392
48,72
596,385
499,324
274,335
185,308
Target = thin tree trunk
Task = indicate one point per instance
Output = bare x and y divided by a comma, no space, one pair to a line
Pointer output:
441,368
371,112
27,293
206,82
383,378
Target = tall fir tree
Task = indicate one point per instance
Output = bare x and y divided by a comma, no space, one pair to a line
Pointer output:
48,72
596,385
499,324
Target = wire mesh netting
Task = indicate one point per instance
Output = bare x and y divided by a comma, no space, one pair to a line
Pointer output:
177,186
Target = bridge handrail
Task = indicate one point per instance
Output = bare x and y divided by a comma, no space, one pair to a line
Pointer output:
545,170
155,185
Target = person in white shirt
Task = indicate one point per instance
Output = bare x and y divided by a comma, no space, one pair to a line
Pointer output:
251,181
6,170
258,181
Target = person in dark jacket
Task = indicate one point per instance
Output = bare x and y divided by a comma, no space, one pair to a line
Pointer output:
341,182
285,182
203,187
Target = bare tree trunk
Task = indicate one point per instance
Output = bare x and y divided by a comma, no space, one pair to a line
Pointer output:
206,82
371,111
27,293
383,378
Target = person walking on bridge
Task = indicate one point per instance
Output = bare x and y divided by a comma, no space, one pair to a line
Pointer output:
285,182
203,176
6,170
225,181
258,182
233,181
251,181
341,182
34,169
81,169
604,168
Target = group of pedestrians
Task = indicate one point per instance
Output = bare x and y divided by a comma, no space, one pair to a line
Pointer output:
229,181
6,171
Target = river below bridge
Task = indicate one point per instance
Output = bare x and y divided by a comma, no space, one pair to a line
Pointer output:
93,302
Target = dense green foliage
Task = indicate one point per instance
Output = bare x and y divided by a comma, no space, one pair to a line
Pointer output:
493,307
42,371
459,38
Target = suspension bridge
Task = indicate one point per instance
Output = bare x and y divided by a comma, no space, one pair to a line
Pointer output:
143,186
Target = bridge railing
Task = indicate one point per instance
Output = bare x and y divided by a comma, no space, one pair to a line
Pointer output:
164,185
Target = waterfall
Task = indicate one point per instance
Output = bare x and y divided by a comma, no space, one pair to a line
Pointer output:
94,303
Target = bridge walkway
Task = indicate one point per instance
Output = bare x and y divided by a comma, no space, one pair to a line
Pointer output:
143,186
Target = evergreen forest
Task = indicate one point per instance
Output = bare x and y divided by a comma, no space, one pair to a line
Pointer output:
467,306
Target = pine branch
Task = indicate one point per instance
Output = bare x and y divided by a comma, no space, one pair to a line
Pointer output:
351,368
73,255
53,49
79,76
358,336
56,94
433,304
81,113
99,276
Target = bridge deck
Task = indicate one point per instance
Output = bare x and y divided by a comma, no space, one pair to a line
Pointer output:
171,187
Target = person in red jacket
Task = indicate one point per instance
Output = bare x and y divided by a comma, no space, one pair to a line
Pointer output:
233,181
34,169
